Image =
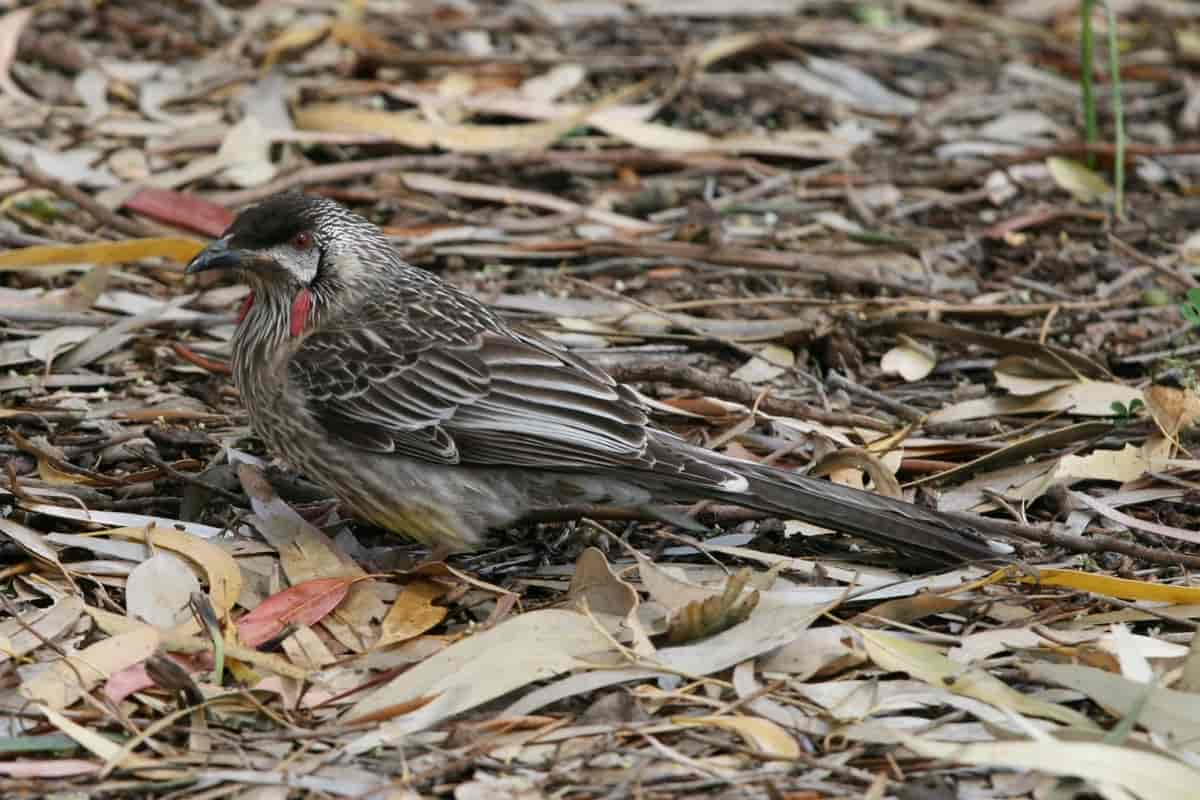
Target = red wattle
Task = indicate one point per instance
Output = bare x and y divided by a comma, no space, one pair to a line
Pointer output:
249,301
300,308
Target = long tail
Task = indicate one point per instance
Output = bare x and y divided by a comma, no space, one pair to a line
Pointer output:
907,527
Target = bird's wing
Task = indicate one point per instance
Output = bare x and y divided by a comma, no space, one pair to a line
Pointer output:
453,393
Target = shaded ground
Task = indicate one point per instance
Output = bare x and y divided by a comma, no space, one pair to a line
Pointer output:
834,236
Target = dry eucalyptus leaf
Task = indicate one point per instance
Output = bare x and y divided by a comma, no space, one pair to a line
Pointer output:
72,166
762,734
772,361
64,681
306,553
1082,398
909,359
92,87
53,343
521,650
413,613
595,584
1190,248
703,618
555,83
1022,375
1124,465
158,589
666,585
843,83
817,651
1173,409
27,633
927,663
1082,183
1137,772
221,570
34,542
247,151
858,458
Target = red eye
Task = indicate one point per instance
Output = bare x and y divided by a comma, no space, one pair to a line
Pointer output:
302,240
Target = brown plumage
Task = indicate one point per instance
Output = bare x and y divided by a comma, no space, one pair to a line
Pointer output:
429,415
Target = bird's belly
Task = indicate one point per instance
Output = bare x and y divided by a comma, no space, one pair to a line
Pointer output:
449,507
445,506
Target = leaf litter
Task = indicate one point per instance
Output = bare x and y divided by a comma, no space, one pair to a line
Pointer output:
807,237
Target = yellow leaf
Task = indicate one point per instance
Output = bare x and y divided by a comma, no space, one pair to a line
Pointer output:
928,664
1083,184
174,248
421,135
1122,588
296,37
57,477
762,734
413,613
407,129
97,745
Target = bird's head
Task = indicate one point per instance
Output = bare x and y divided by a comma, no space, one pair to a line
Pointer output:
300,252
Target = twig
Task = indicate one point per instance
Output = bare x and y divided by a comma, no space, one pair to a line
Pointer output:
739,392
210,364
23,444
709,337
171,472
1079,544
32,173
1179,276
894,406
334,173
1108,149
1174,352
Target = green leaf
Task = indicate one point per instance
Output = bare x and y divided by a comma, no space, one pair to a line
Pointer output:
1189,309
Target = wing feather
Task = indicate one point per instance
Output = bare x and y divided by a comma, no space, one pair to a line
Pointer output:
475,396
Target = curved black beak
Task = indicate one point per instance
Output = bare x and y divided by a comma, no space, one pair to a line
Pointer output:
218,255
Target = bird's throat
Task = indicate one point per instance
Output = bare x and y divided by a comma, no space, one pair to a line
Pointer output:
301,309
301,306
247,304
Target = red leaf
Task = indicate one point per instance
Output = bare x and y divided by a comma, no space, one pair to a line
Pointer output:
303,604
134,678
181,210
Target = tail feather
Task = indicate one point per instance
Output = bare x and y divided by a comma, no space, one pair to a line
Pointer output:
902,525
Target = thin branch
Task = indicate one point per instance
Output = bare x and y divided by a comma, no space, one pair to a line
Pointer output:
106,217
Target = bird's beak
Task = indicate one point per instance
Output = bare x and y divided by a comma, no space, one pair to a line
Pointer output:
218,255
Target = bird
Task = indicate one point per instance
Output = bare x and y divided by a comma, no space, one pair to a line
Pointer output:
426,413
